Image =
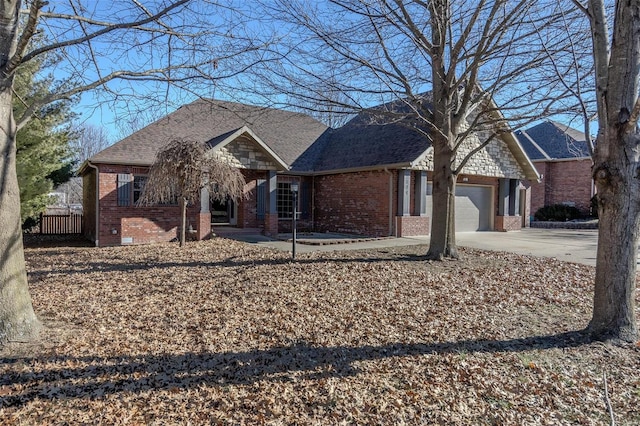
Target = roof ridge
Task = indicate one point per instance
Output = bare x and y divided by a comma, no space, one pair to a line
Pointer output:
535,144
252,106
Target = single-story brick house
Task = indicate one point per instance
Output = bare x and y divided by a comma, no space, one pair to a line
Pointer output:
561,157
363,178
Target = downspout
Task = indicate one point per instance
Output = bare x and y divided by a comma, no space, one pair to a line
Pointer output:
391,233
97,230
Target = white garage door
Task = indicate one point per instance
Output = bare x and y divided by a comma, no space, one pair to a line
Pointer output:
473,207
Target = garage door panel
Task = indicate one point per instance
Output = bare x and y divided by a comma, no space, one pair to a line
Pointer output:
473,207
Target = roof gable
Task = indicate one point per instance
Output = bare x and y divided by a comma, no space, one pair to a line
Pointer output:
244,149
287,134
552,140
391,136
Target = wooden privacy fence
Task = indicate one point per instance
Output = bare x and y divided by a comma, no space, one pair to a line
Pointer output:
61,224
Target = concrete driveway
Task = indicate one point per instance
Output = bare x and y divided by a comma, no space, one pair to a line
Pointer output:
571,245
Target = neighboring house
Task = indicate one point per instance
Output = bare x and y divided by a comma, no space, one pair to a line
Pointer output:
66,198
561,156
362,178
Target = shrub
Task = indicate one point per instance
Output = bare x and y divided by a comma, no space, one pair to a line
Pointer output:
557,213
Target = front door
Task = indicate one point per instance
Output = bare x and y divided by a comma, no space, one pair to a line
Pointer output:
224,213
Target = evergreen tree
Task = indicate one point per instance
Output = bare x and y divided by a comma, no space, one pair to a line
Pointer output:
43,156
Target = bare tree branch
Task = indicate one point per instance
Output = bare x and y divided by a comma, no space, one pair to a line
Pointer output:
25,38
107,29
472,58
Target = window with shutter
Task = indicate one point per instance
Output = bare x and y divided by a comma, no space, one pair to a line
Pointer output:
124,189
138,187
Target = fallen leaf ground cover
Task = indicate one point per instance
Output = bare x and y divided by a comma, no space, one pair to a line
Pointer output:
222,332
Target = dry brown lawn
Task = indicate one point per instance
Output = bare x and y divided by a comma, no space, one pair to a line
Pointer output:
222,332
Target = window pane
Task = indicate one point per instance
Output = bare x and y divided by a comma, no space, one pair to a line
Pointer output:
285,200
138,186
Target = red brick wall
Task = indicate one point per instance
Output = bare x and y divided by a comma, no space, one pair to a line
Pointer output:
204,226
155,224
563,182
140,224
508,223
356,203
538,193
248,208
270,224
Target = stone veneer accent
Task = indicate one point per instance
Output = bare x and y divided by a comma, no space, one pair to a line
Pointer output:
244,153
494,160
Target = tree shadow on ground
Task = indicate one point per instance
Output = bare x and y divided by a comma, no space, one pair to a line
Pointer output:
123,265
82,377
55,241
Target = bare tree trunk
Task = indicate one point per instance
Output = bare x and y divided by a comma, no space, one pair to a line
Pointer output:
442,243
616,169
183,227
18,321
615,286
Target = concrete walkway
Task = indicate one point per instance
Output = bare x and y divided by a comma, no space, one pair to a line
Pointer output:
564,244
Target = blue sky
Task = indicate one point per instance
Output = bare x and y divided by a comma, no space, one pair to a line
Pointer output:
124,106
213,33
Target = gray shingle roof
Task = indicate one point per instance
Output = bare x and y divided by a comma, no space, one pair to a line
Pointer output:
364,142
303,143
287,133
553,140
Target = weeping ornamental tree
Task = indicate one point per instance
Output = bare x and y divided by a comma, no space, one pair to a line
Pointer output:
179,173
167,47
